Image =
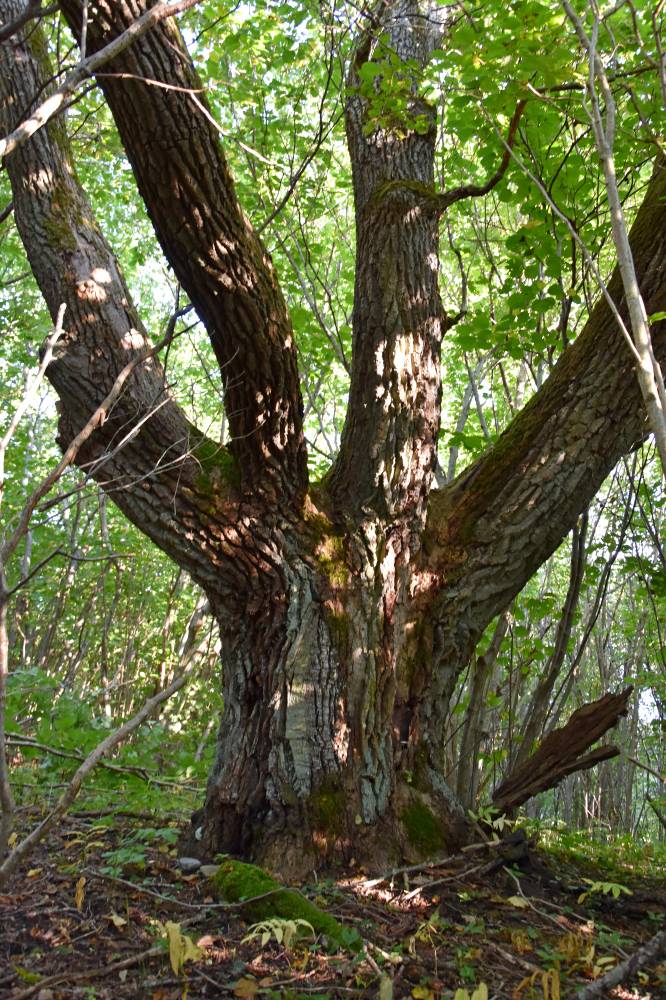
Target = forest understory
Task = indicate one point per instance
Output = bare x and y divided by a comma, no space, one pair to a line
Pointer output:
88,920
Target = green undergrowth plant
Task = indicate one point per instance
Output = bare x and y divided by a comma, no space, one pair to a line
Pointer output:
480,993
613,889
50,732
285,932
619,858
133,850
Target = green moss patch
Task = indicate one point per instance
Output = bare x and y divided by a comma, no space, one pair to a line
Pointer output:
328,808
423,830
219,469
328,545
236,881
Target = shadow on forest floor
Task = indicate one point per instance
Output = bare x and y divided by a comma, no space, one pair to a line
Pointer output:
434,931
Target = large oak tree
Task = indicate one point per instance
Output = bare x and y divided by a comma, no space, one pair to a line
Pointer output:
347,608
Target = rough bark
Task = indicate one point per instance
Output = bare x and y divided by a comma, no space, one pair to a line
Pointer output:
500,519
182,174
75,266
389,441
563,751
345,618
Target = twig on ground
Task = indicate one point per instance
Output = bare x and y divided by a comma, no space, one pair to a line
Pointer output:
650,952
424,865
94,873
529,902
440,881
511,958
97,973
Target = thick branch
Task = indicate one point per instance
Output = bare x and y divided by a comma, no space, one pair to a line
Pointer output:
59,97
388,448
491,529
143,450
646,955
448,198
174,148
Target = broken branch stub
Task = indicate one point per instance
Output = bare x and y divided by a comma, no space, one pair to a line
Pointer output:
562,752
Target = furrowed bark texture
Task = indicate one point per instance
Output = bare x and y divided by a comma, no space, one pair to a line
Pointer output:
75,266
181,171
500,519
389,442
345,617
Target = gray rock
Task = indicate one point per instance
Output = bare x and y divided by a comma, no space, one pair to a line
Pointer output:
208,870
189,865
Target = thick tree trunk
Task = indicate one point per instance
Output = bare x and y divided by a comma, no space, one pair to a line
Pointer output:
312,746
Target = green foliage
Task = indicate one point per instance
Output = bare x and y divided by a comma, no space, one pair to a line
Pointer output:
613,889
620,857
284,931
98,629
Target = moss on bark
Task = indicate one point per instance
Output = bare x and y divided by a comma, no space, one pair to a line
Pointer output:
423,829
219,468
329,809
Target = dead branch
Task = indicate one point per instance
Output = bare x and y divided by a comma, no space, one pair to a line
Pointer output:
563,752
650,952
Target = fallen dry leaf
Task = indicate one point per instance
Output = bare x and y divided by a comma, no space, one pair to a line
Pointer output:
246,987
79,893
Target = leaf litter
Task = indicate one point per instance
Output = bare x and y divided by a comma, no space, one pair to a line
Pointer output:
92,919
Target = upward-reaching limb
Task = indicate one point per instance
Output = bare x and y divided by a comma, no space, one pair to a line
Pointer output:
147,454
389,441
175,151
499,521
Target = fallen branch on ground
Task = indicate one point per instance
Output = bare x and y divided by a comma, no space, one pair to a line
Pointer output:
650,952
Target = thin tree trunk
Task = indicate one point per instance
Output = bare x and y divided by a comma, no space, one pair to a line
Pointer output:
468,756
538,710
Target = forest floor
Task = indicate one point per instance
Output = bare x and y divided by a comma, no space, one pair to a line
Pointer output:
88,920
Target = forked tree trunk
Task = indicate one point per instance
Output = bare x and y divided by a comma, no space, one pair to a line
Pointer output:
347,612
313,751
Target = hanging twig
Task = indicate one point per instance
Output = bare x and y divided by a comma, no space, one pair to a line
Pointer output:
85,68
